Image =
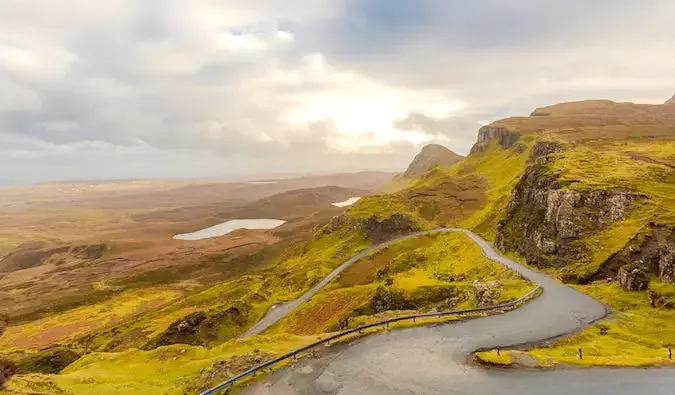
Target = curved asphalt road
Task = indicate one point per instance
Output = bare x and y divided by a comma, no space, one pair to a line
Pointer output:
432,360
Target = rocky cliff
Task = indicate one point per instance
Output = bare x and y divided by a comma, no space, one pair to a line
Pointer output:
504,137
546,218
431,156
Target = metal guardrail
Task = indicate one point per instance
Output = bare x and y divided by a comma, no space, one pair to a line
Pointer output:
294,353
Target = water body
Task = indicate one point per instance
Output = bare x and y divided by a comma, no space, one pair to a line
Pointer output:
433,360
230,226
347,202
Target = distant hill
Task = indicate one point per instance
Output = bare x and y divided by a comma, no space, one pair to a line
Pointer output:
671,100
431,156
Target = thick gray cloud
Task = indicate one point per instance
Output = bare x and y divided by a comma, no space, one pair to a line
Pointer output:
208,88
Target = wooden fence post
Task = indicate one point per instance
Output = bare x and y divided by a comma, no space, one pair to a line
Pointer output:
670,352
497,351
581,355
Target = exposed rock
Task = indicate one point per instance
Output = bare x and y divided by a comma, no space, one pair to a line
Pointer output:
486,294
342,221
658,300
539,112
667,261
671,100
223,370
544,148
632,279
183,330
431,156
201,328
387,229
652,251
486,134
6,371
545,221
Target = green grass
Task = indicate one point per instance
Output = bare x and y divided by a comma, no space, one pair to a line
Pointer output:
502,170
491,358
417,269
637,334
167,370
66,326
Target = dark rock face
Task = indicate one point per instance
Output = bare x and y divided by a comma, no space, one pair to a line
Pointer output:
387,229
182,331
431,156
486,294
667,260
505,138
200,328
632,279
651,251
545,221
544,148
6,371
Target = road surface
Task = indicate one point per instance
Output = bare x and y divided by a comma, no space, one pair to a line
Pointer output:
432,360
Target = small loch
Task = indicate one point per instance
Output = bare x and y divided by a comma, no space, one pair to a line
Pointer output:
230,226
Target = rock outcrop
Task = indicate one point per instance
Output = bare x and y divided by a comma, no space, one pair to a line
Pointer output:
505,138
432,155
382,230
486,294
200,328
545,220
632,279
652,251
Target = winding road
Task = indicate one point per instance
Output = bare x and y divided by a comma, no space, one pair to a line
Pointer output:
432,360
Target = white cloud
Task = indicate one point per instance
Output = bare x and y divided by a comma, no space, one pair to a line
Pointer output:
264,84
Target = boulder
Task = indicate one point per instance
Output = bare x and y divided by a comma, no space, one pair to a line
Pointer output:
486,294
632,279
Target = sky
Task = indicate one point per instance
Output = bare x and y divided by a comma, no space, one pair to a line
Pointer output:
101,89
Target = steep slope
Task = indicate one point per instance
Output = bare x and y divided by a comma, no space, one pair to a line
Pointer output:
432,155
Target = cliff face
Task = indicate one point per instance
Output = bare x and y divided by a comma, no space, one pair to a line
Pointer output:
505,138
545,220
431,156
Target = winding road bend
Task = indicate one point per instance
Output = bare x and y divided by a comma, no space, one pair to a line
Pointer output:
432,360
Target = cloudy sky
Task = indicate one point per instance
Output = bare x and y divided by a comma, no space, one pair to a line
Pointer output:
220,88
